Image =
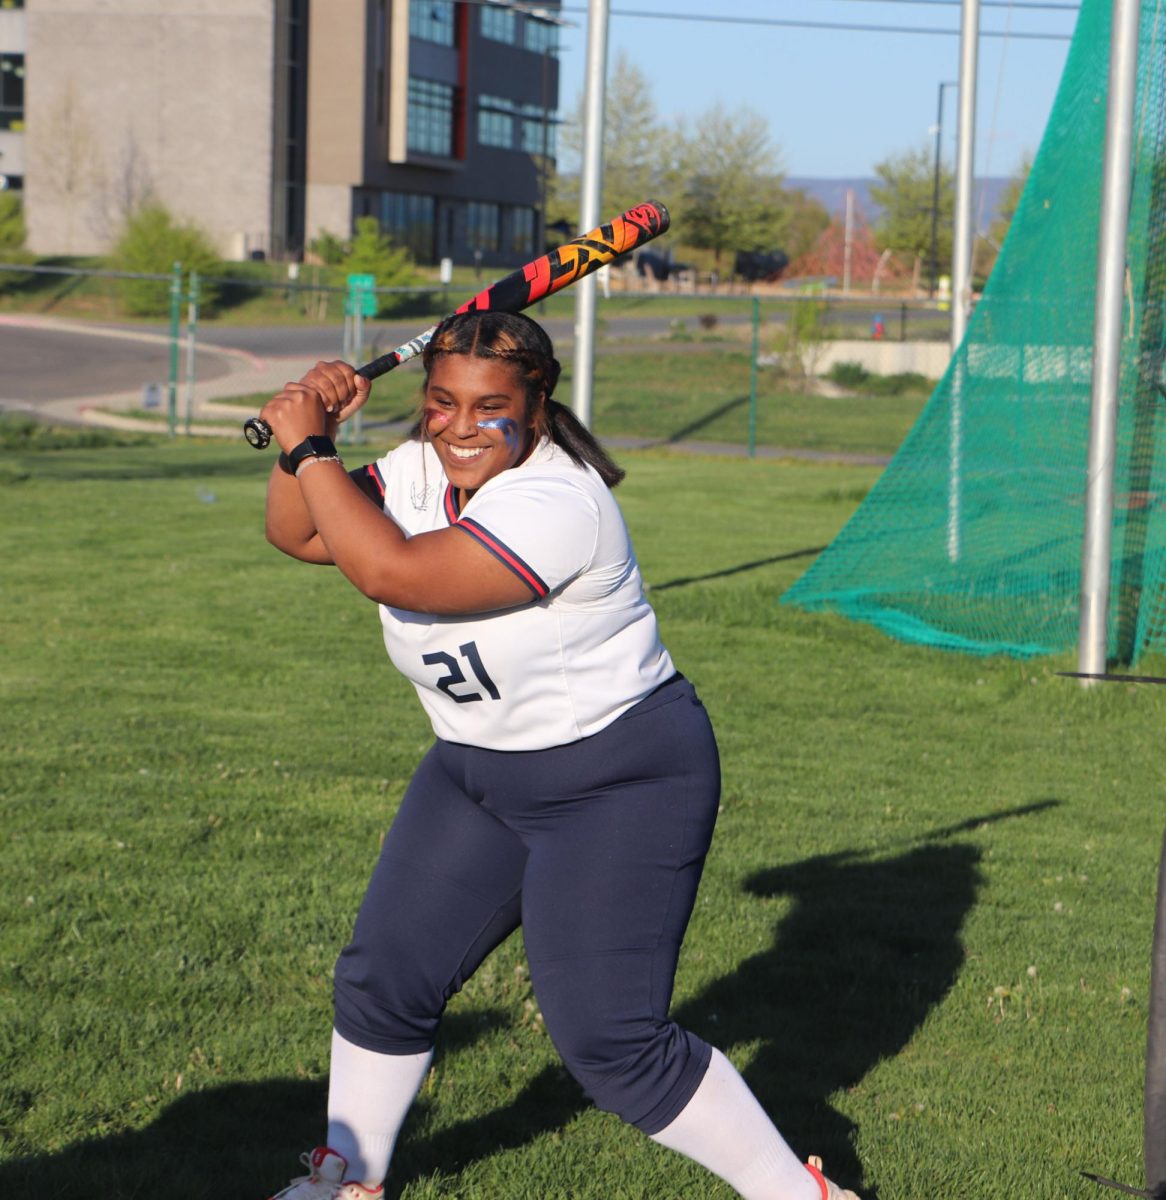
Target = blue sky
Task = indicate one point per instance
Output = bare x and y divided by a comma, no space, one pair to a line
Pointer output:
839,101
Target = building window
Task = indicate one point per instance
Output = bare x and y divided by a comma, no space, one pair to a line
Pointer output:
11,91
482,225
432,21
534,122
495,122
430,123
410,221
522,230
500,25
539,36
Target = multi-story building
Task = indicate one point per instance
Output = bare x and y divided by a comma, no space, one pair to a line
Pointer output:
12,47
268,122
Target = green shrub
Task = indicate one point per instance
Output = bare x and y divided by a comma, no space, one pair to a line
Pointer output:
151,243
12,241
848,374
369,252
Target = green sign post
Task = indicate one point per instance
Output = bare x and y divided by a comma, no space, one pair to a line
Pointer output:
361,296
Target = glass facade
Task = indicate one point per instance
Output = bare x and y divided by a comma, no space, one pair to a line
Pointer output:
410,220
483,225
539,36
12,91
432,21
496,122
430,123
522,231
500,25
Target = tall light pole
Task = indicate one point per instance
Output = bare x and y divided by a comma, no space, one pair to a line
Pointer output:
590,187
935,191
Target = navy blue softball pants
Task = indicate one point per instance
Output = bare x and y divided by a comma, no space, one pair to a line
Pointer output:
596,849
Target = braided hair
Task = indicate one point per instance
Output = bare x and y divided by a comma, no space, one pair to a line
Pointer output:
516,339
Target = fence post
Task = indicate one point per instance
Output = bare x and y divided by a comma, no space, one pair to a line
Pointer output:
175,318
191,327
753,376
356,425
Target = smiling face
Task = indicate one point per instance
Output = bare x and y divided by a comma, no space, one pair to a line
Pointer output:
477,418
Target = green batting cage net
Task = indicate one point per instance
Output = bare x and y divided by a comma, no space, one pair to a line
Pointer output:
972,538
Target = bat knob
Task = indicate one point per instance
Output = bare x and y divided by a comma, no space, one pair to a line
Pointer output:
257,431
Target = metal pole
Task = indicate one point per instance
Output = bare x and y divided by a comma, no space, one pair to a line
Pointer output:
175,322
935,194
753,376
590,189
191,329
961,267
961,273
1107,331
356,425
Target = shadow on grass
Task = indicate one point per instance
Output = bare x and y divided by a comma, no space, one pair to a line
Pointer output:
703,422
868,948
684,580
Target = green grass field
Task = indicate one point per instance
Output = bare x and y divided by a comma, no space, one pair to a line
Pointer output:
923,933
700,394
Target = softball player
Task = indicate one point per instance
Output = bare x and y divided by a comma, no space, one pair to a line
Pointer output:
574,781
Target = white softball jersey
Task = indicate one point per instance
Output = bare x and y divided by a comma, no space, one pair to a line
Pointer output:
550,672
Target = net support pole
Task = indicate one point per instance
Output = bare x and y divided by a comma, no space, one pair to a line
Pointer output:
961,265
590,191
1107,331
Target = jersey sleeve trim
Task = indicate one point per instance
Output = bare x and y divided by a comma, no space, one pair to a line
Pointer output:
370,481
505,555
450,504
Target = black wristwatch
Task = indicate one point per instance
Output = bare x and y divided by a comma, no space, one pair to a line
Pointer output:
316,446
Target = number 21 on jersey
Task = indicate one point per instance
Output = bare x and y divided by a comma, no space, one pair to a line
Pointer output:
454,675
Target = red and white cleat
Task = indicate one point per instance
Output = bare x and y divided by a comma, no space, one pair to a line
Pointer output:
830,1191
325,1180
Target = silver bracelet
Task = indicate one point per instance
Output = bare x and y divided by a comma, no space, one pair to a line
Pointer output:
318,458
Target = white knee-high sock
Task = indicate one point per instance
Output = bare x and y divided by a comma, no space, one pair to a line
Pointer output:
368,1097
724,1129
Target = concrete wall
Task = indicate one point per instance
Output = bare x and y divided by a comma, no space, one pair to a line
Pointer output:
337,116
120,97
885,358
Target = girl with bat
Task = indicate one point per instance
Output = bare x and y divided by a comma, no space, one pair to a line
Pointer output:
574,781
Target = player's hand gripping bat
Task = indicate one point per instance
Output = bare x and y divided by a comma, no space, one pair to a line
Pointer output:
542,277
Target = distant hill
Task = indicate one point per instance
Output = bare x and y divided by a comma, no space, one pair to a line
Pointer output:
831,194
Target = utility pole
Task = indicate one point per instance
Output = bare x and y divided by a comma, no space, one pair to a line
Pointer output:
590,191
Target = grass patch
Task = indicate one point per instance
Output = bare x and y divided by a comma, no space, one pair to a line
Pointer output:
698,396
923,933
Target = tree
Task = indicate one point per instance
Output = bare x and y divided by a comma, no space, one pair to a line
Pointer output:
906,194
989,244
67,160
639,152
368,252
11,223
12,241
151,242
732,198
803,222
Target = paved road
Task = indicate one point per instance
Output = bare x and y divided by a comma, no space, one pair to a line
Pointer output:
47,360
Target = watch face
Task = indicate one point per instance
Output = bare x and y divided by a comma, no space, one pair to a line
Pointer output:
316,446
